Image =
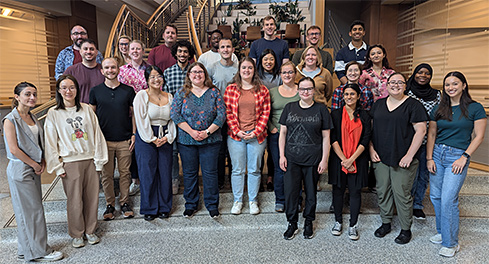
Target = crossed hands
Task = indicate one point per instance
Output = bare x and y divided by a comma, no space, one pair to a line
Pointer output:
246,136
160,141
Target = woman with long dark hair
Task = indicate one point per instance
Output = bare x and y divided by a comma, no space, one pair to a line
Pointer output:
268,69
24,142
247,110
448,150
76,151
199,112
154,137
348,163
418,87
376,70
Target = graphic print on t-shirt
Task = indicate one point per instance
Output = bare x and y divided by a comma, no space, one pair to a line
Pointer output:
77,126
299,140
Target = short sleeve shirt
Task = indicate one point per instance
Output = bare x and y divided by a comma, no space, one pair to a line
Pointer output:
458,132
303,143
279,46
393,131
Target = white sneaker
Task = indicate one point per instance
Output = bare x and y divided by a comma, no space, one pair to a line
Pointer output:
436,239
449,252
53,256
133,188
93,239
78,242
254,210
336,231
237,206
353,233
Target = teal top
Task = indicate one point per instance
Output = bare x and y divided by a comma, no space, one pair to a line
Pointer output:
278,103
458,132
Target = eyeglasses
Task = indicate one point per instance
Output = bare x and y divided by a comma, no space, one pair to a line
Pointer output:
154,77
79,33
308,89
197,72
124,44
288,72
393,83
314,34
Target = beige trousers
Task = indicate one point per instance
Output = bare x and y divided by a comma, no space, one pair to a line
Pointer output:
119,150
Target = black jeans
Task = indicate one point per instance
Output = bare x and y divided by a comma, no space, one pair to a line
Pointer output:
293,179
355,198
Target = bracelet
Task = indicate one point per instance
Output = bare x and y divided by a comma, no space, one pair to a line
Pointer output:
465,154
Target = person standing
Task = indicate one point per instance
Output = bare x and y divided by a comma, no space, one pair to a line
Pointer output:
88,72
355,51
304,149
247,109
71,54
76,150
199,112
112,103
122,52
270,41
268,69
213,55
401,121
418,87
448,150
313,36
353,71
24,142
348,164
375,72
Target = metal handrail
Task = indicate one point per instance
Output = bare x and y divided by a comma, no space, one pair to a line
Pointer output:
335,39
207,10
127,22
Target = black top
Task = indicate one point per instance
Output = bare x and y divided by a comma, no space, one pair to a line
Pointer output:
113,110
393,132
304,132
334,167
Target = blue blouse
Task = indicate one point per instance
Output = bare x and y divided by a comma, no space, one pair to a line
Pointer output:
199,113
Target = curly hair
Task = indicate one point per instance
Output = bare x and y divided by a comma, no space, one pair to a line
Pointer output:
183,43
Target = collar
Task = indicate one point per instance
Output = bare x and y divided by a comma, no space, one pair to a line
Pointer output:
351,47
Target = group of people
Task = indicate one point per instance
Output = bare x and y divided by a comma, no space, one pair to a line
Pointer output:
146,114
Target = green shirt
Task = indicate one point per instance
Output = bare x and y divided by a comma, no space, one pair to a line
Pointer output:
278,103
458,132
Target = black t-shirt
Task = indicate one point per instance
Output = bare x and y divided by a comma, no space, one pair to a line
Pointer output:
393,132
303,144
113,110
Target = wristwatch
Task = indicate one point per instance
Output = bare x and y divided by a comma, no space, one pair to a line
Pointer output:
465,154
208,132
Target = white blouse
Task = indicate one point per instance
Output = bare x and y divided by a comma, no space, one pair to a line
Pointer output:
148,114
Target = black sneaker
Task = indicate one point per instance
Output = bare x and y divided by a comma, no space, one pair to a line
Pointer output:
214,213
127,211
188,212
109,213
163,215
292,230
419,214
383,230
404,237
149,217
308,230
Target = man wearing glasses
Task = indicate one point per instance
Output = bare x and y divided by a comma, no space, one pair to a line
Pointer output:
313,35
71,54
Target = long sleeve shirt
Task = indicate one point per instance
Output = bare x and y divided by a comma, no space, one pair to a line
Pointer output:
66,58
73,136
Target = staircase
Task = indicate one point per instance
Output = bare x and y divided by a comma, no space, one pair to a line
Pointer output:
236,238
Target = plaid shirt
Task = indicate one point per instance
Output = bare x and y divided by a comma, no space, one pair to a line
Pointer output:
366,98
174,78
262,111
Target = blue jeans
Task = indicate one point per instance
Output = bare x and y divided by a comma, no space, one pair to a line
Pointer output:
444,189
205,155
421,181
175,170
278,175
245,154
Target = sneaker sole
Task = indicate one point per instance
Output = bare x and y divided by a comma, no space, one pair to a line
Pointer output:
451,256
354,238
128,216
436,241
78,246
293,235
419,218
309,237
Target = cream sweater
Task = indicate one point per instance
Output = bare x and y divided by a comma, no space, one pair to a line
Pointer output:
73,136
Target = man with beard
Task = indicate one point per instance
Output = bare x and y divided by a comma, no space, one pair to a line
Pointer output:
355,51
71,54
161,56
212,56
313,35
174,78
270,41
87,72
112,102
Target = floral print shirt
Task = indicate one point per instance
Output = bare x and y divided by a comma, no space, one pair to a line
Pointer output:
377,83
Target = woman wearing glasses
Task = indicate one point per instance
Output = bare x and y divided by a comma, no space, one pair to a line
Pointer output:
199,112
304,149
122,52
398,129
154,138
279,97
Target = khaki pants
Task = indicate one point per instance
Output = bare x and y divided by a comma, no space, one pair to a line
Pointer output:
119,150
394,187
81,185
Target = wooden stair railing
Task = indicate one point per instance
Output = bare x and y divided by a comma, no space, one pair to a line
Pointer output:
198,26
127,22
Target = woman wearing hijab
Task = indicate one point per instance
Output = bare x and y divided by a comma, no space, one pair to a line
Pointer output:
418,87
